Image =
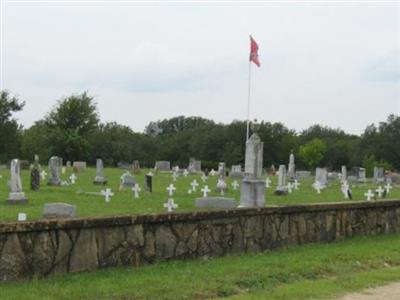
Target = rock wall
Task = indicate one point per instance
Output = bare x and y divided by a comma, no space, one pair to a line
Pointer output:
43,248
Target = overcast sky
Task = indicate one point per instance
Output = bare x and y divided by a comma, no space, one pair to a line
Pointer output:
335,64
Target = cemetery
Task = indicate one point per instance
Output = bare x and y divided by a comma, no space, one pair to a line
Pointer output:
182,150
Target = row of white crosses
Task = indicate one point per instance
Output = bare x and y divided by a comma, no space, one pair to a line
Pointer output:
369,194
107,193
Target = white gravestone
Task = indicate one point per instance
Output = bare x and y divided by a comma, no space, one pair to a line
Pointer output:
369,195
136,189
170,205
171,189
205,191
281,188
99,178
291,167
235,185
16,195
194,185
54,169
107,194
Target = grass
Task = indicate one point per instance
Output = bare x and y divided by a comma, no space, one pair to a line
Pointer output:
306,272
124,203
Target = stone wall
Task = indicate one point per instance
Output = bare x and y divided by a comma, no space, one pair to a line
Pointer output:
43,248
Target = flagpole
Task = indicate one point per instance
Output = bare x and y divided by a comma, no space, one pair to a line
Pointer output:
248,104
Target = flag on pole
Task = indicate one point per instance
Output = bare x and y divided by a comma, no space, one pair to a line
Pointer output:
254,52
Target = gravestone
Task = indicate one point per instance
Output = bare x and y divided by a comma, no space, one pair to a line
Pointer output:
148,184
35,174
236,171
221,170
127,180
136,167
100,178
344,173
215,202
281,188
123,165
301,175
252,193
379,175
194,166
54,169
291,167
59,210
359,174
68,164
321,176
222,187
163,165
80,166
16,195
362,175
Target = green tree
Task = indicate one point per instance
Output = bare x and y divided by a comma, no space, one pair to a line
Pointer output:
313,152
71,123
36,140
10,131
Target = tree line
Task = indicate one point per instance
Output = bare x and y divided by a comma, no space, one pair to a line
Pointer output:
73,131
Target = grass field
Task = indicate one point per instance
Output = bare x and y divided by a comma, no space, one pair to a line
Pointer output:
124,202
307,272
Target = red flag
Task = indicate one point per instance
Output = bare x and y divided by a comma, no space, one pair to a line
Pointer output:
254,52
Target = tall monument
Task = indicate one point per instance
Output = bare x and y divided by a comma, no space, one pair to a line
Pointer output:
291,167
253,186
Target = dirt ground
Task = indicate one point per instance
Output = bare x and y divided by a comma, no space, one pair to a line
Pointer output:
386,292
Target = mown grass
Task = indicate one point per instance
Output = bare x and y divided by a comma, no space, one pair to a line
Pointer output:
306,272
124,203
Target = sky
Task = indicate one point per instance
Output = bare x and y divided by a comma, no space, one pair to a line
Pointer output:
331,63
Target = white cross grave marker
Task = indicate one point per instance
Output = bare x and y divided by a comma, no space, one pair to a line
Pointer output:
73,178
205,191
380,191
345,188
170,205
171,189
289,187
235,185
174,176
204,177
369,195
194,184
296,184
267,182
317,186
136,189
43,175
388,187
185,173
213,172
107,194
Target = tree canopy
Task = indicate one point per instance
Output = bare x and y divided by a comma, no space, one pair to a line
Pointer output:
73,131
